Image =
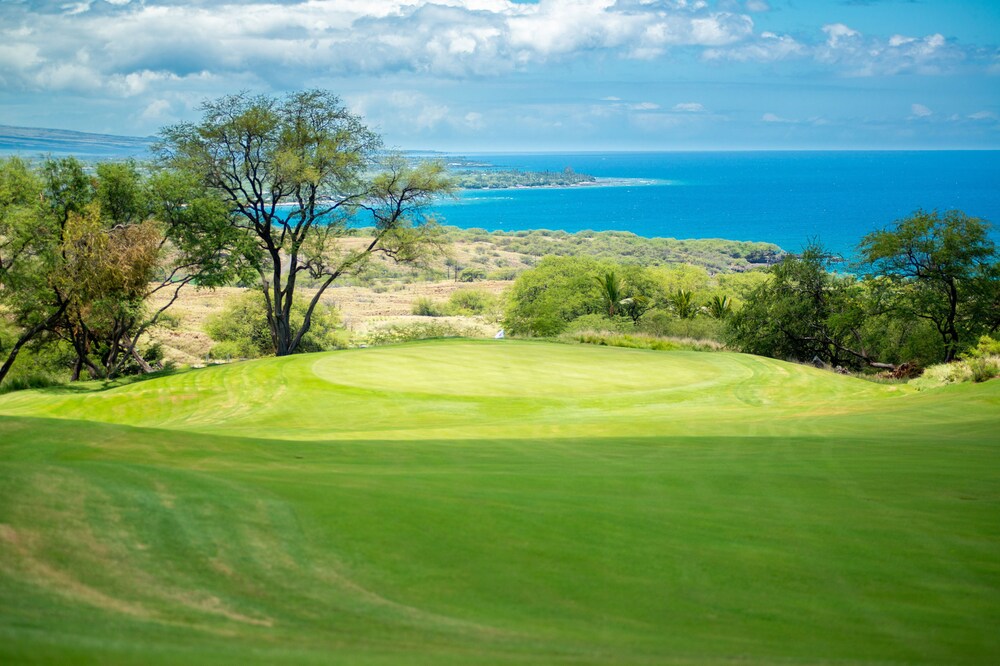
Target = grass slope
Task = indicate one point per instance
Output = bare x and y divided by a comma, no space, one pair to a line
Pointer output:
501,502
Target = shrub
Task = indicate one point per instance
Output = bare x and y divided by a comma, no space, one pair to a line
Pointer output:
29,380
613,339
983,368
471,302
504,273
986,346
472,275
242,330
664,324
396,333
598,323
426,307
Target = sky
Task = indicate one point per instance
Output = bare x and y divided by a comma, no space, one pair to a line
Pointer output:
544,75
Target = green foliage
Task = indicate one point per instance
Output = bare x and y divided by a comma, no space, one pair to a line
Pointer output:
682,303
480,179
663,323
944,269
983,360
984,368
613,339
987,346
597,322
427,307
612,291
719,306
292,173
472,274
622,247
472,302
241,330
558,290
545,299
81,254
804,312
398,333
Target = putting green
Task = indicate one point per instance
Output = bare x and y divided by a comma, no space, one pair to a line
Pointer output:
460,502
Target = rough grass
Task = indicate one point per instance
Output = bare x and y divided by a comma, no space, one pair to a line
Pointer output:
501,502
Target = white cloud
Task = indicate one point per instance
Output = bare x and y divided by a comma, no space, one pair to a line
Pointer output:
774,118
689,107
308,38
411,110
757,6
156,111
474,120
838,33
983,115
768,47
920,111
859,55
644,106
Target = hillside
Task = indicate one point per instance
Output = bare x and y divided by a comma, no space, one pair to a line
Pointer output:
33,141
500,502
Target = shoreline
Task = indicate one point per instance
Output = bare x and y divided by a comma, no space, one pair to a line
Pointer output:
597,182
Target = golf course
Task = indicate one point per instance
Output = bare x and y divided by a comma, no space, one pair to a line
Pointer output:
501,502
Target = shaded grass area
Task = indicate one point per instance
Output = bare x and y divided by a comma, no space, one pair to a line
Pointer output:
861,526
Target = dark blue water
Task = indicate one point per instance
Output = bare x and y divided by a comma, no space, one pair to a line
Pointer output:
786,198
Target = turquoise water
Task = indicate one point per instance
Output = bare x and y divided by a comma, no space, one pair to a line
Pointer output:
786,198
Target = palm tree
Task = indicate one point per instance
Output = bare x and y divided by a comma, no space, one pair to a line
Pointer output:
612,292
720,307
682,301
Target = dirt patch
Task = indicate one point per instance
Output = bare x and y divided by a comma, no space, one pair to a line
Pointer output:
361,310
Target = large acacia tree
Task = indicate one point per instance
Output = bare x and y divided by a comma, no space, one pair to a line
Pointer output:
297,173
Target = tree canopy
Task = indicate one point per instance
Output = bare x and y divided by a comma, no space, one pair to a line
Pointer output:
945,270
295,174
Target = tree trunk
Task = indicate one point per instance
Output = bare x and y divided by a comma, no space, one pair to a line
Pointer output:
26,337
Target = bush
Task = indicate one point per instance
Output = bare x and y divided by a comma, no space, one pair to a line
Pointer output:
426,307
504,273
241,331
598,323
396,333
664,324
983,368
472,275
613,339
986,346
29,380
471,302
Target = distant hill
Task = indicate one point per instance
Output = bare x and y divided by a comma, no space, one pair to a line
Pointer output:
33,141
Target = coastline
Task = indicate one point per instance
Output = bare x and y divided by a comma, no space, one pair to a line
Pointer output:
597,182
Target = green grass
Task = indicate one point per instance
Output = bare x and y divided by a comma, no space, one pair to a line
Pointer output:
482,502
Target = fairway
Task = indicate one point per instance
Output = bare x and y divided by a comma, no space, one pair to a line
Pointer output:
501,502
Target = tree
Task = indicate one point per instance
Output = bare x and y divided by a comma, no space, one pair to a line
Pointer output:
944,269
612,291
28,255
804,312
720,306
295,174
682,303
84,252
544,299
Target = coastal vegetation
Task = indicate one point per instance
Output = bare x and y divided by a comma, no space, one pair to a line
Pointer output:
491,178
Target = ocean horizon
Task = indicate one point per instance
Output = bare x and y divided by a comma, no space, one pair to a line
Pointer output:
789,198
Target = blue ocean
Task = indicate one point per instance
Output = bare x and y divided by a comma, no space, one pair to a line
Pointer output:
787,198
